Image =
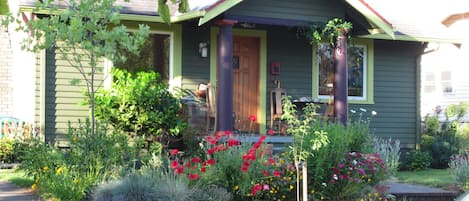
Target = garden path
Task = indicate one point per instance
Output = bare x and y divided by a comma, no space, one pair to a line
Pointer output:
10,192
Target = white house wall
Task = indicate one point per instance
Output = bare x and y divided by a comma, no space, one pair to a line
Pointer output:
447,57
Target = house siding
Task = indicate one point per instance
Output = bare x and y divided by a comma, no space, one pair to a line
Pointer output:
195,69
6,74
299,10
62,99
395,92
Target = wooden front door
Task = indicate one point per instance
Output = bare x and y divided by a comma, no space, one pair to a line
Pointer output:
246,82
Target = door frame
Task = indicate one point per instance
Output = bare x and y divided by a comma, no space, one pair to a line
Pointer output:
262,35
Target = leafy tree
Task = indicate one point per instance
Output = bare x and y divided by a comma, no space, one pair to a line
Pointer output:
83,32
3,7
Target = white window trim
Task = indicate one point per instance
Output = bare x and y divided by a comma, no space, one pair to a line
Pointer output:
368,81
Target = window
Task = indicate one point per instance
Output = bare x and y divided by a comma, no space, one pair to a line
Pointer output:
429,83
360,71
155,55
446,83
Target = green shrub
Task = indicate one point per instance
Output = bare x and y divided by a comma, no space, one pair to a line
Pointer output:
140,104
69,174
324,145
418,160
12,150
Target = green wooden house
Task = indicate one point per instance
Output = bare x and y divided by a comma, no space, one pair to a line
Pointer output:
265,52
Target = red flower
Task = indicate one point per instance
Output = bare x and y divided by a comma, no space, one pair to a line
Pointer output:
195,160
271,161
256,188
262,138
265,173
244,168
233,142
211,161
203,169
174,164
211,140
179,170
271,132
277,173
227,132
252,118
193,176
211,151
174,152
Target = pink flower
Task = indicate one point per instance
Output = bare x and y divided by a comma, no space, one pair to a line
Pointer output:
266,187
227,132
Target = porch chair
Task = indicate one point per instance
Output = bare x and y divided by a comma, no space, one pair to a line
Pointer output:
276,106
211,107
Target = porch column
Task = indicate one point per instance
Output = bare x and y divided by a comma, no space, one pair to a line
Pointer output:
225,74
340,79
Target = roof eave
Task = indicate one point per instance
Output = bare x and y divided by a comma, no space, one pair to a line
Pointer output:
412,38
372,16
126,16
217,10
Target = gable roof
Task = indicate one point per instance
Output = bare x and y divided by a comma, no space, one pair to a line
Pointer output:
416,20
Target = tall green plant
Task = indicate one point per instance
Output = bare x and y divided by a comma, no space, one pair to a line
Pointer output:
83,32
140,103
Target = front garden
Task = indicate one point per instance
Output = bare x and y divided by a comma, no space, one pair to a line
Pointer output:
137,144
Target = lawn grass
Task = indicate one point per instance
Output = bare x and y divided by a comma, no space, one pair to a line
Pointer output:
428,177
16,177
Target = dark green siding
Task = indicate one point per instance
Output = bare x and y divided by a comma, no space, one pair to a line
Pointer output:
62,100
294,55
395,92
195,69
301,10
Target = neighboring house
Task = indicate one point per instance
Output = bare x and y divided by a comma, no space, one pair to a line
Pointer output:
262,33
445,68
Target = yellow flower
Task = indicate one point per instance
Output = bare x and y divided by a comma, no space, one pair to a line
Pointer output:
45,168
236,187
75,181
34,186
59,170
55,199
74,139
292,187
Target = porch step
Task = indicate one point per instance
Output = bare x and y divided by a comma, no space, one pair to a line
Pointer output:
420,193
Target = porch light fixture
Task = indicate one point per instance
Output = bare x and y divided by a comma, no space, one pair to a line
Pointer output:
203,49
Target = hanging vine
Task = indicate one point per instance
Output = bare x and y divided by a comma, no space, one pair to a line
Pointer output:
327,32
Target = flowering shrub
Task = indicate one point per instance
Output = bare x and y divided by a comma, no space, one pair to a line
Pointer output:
243,169
356,172
70,174
459,165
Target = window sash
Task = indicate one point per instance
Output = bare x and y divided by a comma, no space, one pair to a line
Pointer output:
325,57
